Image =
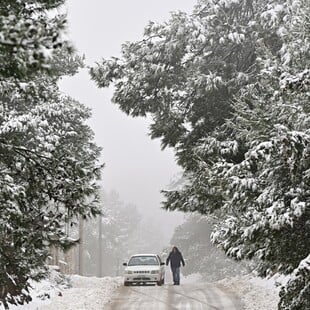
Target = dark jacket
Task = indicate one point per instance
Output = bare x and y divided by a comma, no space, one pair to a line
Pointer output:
175,259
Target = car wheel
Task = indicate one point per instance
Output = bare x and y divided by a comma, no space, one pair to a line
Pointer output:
159,283
163,281
126,283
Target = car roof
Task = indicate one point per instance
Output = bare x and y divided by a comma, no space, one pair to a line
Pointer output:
152,254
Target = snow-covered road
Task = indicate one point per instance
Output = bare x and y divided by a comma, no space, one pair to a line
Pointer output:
188,296
108,293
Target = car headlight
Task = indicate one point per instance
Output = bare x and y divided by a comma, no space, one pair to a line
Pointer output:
128,271
154,271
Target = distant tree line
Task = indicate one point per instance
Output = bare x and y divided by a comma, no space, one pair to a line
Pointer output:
202,257
111,239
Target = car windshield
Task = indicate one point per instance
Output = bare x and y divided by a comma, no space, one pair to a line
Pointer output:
143,260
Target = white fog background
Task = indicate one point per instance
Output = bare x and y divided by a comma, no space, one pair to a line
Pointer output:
135,165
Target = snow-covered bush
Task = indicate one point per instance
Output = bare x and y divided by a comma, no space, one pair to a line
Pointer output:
295,295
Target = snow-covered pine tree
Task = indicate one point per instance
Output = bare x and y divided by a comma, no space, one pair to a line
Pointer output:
295,295
30,32
228,88
185,74
269,190
48,160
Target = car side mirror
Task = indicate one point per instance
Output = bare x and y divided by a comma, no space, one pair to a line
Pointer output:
162,263
124,264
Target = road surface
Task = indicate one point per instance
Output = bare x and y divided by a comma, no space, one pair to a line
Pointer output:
200,296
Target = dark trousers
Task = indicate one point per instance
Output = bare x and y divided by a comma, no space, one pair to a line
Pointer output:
176,274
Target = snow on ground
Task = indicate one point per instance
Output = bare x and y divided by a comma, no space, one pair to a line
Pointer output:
89,293
92,293
42,291
71,293
254,292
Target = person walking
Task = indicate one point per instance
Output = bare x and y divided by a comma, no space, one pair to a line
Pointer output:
175,258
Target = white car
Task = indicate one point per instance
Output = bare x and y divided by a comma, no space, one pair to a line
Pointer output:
144,268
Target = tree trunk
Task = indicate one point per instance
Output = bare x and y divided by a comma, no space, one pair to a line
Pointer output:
81,246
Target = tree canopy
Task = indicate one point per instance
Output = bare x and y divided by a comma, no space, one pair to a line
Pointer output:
228,88
48,158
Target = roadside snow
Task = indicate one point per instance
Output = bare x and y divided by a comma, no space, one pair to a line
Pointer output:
254,292
42,292
89,293
72,292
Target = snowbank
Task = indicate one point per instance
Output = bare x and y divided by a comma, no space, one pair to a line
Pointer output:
70,292
41,292
89,293
255,293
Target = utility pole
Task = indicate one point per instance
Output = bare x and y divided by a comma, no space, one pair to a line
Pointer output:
100,246
81,245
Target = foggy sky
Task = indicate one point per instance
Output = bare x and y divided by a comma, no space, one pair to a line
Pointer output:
135,166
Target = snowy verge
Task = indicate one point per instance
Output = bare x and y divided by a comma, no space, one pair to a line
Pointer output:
89,293
42,292
254,292
70,292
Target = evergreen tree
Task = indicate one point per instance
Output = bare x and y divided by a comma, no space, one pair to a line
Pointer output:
270,187
48,160
295,296
228,88
31,31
